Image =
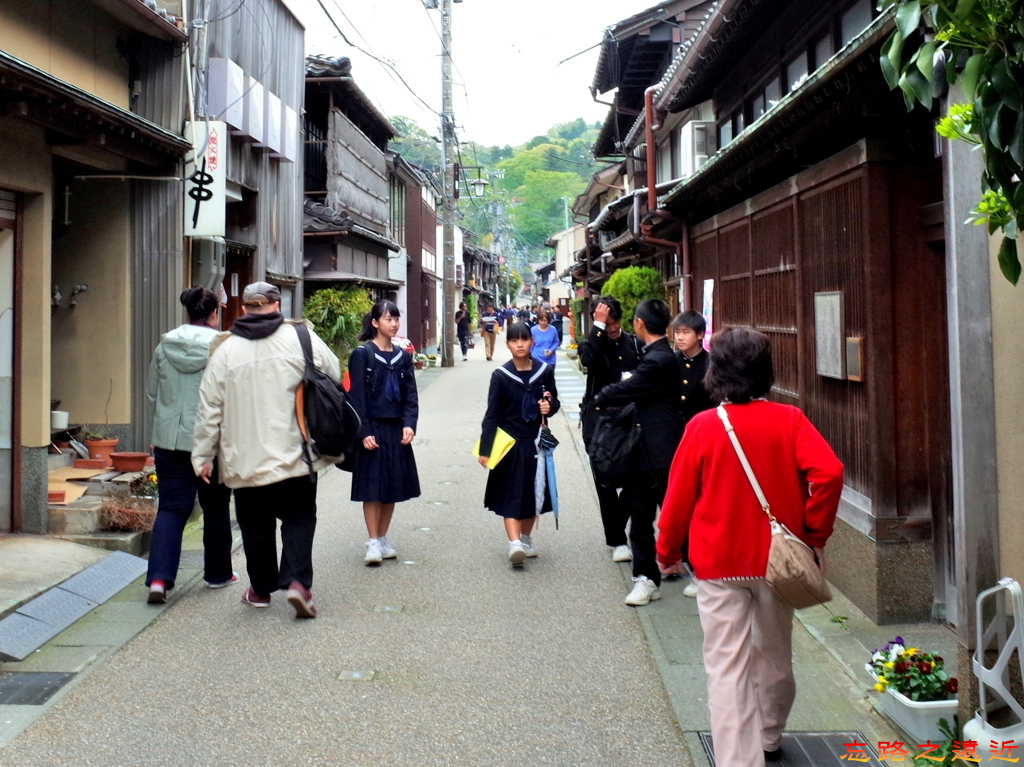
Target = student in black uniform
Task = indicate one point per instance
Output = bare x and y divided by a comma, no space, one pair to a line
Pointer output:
609,354
655,388
522,392
688,330
384,394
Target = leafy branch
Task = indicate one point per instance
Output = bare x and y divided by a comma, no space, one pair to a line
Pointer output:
980,44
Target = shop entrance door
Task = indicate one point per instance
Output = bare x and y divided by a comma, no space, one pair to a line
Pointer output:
7,224
237,274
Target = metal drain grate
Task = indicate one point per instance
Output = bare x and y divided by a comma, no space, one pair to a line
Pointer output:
30,688
812,749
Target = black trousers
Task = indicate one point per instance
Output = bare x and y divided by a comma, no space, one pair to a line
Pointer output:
645,490
257,509
614,512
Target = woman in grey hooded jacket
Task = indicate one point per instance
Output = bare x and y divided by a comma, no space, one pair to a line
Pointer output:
172,395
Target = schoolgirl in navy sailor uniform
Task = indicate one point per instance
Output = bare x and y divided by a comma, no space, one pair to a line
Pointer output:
385,396
521,392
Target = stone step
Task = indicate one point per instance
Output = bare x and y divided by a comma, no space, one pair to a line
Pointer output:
79,518
54,461
131,543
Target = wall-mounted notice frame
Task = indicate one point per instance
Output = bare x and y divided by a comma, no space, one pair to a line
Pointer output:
829,335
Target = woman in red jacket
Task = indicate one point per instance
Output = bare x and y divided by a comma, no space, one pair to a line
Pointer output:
747,629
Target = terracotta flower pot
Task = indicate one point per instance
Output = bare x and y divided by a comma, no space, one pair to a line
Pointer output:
125,462
100,449
418,364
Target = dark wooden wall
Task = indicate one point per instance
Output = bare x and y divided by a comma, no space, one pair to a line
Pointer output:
844,229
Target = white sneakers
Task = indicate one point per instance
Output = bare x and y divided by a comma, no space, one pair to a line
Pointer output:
527,541
644,591
374,554
517,553
622,554
690,590
377,550
387,551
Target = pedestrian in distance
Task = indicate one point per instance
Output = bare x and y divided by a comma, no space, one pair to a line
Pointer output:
385,396
247,422
609,354
490,326
172,399
654,387
462,328
545,340
522,393
688,329
747,628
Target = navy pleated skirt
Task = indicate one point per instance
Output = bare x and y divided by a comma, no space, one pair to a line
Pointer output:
387,474
510,484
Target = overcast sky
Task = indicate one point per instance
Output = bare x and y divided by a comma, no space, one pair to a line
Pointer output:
509,86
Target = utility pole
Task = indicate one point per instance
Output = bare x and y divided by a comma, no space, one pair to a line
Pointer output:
448,200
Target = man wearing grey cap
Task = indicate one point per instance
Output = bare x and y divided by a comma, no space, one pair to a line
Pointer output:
247,420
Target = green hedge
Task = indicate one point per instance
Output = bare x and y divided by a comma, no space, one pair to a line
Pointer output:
337,316
576,307
632,285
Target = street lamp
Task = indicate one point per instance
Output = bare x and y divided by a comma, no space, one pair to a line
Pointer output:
479,185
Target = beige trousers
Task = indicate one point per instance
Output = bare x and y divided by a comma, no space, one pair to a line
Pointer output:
488,343
748,657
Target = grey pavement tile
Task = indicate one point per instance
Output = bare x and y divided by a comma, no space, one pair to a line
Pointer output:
136,613
97,633
52,657
57,607
99,582
20,635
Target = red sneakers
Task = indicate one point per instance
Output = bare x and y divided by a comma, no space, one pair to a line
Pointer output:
252,598
301,599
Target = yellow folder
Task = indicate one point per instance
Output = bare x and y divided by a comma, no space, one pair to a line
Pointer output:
503,442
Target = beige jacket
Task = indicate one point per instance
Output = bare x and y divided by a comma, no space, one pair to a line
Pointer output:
246,412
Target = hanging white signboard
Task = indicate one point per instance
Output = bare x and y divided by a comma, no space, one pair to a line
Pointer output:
205,180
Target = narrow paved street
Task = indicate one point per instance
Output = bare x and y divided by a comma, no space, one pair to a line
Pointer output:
447,656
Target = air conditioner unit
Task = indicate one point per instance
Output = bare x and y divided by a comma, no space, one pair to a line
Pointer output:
698,141
209,259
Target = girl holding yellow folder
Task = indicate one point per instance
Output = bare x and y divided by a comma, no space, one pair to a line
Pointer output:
522,393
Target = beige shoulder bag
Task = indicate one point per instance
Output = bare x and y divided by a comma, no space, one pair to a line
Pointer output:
792,573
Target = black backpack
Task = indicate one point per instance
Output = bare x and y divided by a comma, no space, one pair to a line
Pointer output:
328,422
616,434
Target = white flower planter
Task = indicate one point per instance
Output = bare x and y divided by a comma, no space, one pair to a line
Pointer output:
918,718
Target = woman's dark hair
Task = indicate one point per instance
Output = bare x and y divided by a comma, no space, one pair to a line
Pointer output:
379,310
740,366
199,302
519,331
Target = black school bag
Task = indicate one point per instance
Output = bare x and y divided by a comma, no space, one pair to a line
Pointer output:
328,422
616,434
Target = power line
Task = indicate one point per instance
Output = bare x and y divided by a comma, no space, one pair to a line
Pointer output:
376,58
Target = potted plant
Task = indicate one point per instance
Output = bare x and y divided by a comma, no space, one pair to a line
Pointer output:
917,691
432,360
572,350
100,444
132,510
419,360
